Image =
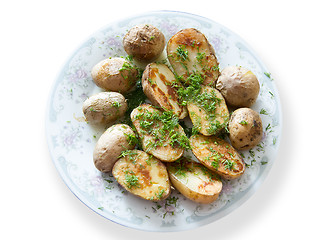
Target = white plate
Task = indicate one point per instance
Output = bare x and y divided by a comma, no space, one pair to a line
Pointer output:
71,141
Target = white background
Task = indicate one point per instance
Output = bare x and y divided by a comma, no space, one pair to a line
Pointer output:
295,40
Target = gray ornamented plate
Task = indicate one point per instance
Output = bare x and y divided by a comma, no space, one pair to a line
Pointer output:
71,141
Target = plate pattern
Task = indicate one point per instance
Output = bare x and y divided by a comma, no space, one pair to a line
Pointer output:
71,140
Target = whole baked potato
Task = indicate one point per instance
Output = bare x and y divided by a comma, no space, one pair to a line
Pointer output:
245,128
115,74
144,42
111,144
142,175
104,107
239,86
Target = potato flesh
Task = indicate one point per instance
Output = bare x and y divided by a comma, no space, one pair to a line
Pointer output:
142,175
217,155
163,150
209,123
157,83
200,55
195,182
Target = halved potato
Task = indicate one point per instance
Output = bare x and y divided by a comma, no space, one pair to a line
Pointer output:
194,181
208,111
142,175
159,132
189,51
217,155
158,83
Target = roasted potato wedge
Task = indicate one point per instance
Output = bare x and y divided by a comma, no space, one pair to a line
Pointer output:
158,83
142,175
189,51
208,111
217,155
194,181
160,133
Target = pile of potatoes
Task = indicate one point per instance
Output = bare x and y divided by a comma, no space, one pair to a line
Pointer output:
147,158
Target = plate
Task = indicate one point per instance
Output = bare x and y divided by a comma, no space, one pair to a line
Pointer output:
71,140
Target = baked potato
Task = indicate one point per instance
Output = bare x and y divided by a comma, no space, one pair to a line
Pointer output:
159,132
115,74
144,42
239,86
194,181
160,86
189,51
142,175
112,142
104,107
208,111
218,156
245,128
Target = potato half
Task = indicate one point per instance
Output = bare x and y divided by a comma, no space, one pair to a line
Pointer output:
142,175
104,107
208,111
194,181
160,133
217,155
189,51
111,143
158,83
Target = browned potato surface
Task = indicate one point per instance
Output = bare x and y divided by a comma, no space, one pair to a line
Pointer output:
245,128
208,112
104,107
111,143
144,42
239,86
194,181
142,175
158,85
217,155
189,51
160,133
114,74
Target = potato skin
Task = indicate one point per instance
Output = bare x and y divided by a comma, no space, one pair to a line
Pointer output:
164,151
142,175
209,123
218,156
144,42
114,74
199,55
104,107
239,86
194,181
157,81
245,128
110,145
